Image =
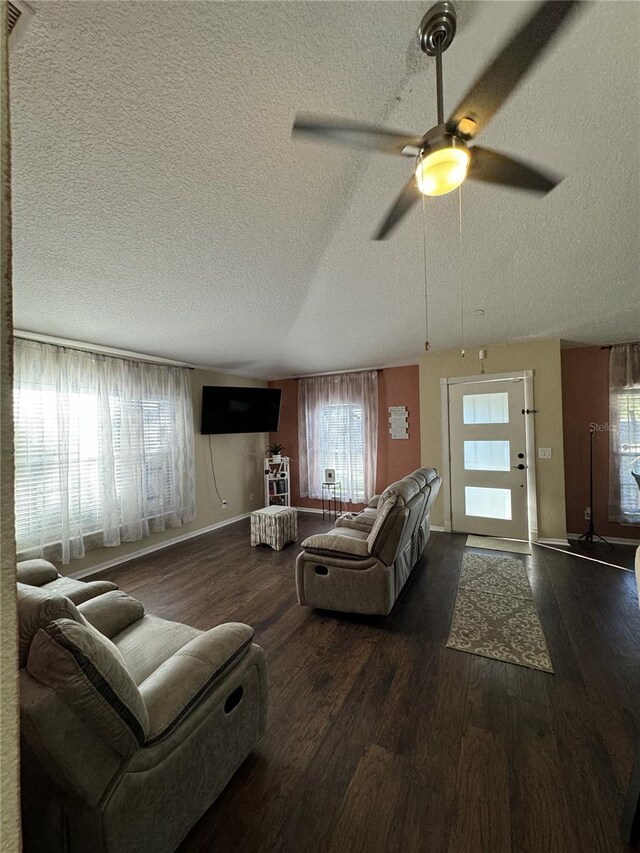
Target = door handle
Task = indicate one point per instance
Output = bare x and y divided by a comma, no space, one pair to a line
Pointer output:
520,467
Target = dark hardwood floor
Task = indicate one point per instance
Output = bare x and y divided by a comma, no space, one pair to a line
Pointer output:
616,555
381,739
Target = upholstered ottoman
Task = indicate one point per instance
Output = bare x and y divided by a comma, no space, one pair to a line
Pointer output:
275,526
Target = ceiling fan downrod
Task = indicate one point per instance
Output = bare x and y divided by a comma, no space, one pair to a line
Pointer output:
435,34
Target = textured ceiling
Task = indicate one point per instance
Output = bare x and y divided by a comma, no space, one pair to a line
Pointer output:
161,206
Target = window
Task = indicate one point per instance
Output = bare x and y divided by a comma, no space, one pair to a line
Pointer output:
624,433
103,450
485,502
342,446
625,447
487,456
338,428
44,480
486,408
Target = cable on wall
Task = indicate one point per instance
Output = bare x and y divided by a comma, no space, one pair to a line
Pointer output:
213,471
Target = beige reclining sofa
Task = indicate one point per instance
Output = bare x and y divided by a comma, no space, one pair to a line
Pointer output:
362,564
131,725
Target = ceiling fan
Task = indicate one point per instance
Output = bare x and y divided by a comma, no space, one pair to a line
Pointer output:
444,158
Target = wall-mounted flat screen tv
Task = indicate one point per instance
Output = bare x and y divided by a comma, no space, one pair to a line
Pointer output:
232,410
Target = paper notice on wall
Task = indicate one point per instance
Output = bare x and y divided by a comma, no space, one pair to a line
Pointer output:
398,432
398,422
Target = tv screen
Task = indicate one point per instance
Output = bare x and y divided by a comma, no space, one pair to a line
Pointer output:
233,410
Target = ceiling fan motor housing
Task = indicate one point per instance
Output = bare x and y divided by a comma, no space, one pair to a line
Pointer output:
441,137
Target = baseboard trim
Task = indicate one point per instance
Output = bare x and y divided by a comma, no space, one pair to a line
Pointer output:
436,528
616,540
562,543
159,546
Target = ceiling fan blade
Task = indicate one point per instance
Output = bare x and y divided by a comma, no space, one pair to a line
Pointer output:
401,206
496,168
356,135
503,74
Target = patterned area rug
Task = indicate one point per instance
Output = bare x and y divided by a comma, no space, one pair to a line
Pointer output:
495,615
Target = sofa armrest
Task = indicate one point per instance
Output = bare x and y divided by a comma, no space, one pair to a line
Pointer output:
374,501
86,590
178,684
111,612
354,523
337,546
36,572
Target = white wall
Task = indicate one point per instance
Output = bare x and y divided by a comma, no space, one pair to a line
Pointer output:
543,357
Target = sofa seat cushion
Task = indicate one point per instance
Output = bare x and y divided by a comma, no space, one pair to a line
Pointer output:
147,643
351,534
83,667
339,542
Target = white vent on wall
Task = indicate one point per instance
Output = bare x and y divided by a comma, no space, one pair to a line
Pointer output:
18,15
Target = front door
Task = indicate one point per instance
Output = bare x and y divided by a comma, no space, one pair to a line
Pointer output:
487,449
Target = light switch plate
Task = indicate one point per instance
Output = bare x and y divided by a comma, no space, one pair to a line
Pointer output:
544,453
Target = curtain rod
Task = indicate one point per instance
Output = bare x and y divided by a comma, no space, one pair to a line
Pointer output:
98,349
339,373
623,344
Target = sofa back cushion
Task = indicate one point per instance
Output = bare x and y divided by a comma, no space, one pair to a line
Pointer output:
405,489
384,523
85,669
36,572
36,608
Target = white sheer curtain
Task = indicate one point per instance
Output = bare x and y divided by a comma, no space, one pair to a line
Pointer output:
338,428
104,450
624,432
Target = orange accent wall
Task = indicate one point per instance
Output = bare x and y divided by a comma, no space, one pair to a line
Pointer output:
585,400
397,386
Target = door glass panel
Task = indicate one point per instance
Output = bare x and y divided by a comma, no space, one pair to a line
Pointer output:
487,456
487,503
486,408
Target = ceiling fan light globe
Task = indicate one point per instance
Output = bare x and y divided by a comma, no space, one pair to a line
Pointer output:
442,171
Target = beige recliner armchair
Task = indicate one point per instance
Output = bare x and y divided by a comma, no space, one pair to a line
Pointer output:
362,564
131,725
44,574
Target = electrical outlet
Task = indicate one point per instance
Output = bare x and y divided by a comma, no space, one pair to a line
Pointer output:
250,497
225,504
587,513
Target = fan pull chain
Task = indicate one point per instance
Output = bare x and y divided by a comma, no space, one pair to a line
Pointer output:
462,349
426,292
